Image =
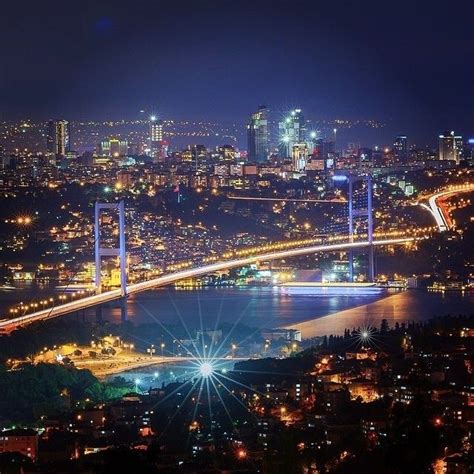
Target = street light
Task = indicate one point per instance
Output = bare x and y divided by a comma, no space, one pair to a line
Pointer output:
162,345
151,350
241,454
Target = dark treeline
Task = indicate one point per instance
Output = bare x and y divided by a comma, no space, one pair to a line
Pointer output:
428,334
32,392
26,342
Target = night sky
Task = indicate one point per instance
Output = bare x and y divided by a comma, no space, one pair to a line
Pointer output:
410,63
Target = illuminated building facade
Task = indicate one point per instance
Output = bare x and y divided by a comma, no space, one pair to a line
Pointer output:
226,152
258,136
299,157
292,131
365,157
400,148
23,441
158,146
124,179
450,147
114,147
156,130
58,138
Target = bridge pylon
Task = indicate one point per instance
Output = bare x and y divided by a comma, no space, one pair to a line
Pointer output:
111,251
365,212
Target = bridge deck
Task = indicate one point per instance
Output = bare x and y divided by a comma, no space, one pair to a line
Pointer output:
9,325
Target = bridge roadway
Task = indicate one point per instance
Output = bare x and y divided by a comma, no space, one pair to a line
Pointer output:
440,215
8,325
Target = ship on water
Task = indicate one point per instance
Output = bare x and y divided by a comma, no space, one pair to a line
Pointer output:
335,288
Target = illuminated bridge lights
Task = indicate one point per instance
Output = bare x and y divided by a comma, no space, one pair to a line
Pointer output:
88,301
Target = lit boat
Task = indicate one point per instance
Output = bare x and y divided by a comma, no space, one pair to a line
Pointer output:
310,287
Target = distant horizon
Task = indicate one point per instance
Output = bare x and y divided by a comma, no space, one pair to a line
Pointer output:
408,64
361,133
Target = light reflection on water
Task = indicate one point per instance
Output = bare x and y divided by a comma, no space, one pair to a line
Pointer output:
415,305
271,307
259,307
314,314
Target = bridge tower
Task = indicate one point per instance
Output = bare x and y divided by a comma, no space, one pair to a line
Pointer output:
112,252
356,213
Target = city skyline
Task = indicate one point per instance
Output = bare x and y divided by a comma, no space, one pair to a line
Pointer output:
366,133
237,236
352,60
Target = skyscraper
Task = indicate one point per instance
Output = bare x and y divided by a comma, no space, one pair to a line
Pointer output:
292,132
58,138
258,136
400,148
157,144
450,147
156,130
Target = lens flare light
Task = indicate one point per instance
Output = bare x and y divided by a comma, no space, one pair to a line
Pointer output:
206,369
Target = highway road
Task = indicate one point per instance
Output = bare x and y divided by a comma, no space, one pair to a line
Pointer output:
440,214
9,325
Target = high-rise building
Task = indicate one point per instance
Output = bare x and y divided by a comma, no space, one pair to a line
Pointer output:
156,130
58,138
158,146
450,147
258,136
114,147
292,132
400,148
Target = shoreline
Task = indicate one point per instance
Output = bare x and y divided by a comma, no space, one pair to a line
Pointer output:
115,367
394,308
